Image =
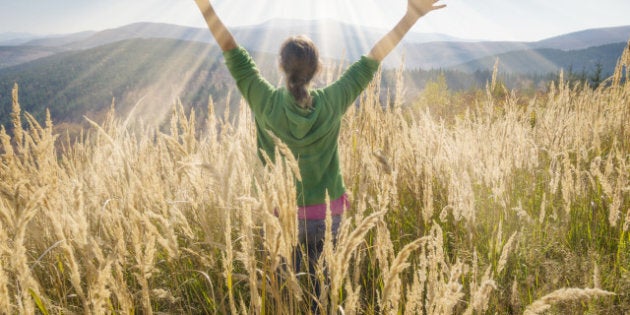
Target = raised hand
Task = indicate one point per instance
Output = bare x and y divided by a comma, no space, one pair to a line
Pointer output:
419,8
415,10
221,34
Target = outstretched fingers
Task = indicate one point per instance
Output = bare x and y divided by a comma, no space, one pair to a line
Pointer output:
419,8
437,7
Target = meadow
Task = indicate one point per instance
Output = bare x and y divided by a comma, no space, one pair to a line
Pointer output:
491,202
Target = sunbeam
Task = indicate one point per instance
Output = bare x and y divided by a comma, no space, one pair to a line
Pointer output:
342,29
402,174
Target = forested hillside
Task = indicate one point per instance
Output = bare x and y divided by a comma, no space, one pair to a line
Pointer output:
15,55
156,71
150,75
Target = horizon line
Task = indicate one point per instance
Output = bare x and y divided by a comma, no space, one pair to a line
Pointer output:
29,35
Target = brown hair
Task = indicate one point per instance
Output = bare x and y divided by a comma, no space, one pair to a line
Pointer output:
299,59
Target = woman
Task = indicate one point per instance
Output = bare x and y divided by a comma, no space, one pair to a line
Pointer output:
308,121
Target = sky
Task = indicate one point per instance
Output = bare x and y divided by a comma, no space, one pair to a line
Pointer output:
521,20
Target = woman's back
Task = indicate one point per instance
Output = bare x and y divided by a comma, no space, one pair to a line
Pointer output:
312,132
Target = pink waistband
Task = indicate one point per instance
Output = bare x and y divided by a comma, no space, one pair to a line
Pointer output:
318,212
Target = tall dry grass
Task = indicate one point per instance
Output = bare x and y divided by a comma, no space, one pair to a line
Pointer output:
511,205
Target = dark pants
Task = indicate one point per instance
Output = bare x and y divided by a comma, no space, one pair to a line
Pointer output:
311,235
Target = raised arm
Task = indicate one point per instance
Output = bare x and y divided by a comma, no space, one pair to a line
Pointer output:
415,10
221,34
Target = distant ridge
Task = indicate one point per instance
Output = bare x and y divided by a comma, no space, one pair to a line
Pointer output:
13,38
450,54
586,38
59,40
545,60
420,50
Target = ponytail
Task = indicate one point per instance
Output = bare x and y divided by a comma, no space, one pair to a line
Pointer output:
298,88
299,59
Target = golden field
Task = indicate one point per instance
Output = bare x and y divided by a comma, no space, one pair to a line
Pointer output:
485,203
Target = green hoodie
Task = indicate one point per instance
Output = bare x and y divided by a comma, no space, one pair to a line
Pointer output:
311,134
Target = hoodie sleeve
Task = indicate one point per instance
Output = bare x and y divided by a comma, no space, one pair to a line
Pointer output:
343,92
254,88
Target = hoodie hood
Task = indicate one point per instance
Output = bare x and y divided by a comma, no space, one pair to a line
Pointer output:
300,120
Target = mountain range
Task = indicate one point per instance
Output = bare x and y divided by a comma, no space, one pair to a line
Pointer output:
420,50
145,67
